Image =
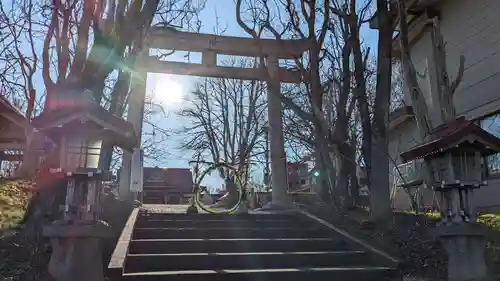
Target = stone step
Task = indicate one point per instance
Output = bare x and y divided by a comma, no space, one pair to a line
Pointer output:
233,232
253,247
219,223
173,246
228,217
288,274
249,260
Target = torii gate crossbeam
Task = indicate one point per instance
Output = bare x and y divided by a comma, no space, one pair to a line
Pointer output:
209,46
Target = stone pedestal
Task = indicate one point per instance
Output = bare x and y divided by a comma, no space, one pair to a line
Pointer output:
76,252
274,208
277,206
465,245
242,208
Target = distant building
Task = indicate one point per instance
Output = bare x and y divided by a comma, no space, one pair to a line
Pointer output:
297,174
12,135
13,128
167,185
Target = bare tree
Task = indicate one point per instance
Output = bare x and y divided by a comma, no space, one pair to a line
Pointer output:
397,87
301,22
380,203
314,21
153,135
227,118
26,64
446,88
94,42
347,25
373,122
336,69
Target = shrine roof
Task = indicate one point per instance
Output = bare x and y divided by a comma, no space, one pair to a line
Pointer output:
12,125
14,115
121,130
180,179
451,134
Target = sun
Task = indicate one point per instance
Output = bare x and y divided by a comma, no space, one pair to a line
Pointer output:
168,92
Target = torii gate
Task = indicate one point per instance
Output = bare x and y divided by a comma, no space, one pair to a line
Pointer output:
209,46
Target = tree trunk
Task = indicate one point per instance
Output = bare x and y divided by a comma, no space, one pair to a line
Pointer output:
43,207
343,182
353,177
410,76
321,166
380,190
380,206
29,165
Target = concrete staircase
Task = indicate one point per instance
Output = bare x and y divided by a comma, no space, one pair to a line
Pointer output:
178,247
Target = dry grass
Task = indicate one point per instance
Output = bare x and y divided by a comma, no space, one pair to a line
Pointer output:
13,201
16,252
490,220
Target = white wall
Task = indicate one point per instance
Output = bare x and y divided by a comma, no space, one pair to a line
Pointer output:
471,29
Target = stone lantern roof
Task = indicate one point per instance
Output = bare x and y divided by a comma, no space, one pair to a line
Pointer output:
77,111
57,121
453,134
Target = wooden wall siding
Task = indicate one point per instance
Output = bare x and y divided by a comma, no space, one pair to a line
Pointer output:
472,28
402,138
469,28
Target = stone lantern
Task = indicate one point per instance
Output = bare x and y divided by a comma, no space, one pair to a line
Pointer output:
453,154
79,127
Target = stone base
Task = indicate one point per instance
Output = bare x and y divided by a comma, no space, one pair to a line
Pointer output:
465,245
242,208
76,253
191,209
273,207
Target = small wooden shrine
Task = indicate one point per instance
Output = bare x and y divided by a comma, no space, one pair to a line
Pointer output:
454,153
454,158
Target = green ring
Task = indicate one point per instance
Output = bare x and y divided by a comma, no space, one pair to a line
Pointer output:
197,190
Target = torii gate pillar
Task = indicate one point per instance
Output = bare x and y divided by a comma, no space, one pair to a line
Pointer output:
211,45
279,178
135,116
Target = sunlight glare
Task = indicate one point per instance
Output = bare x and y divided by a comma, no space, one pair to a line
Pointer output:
168,92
